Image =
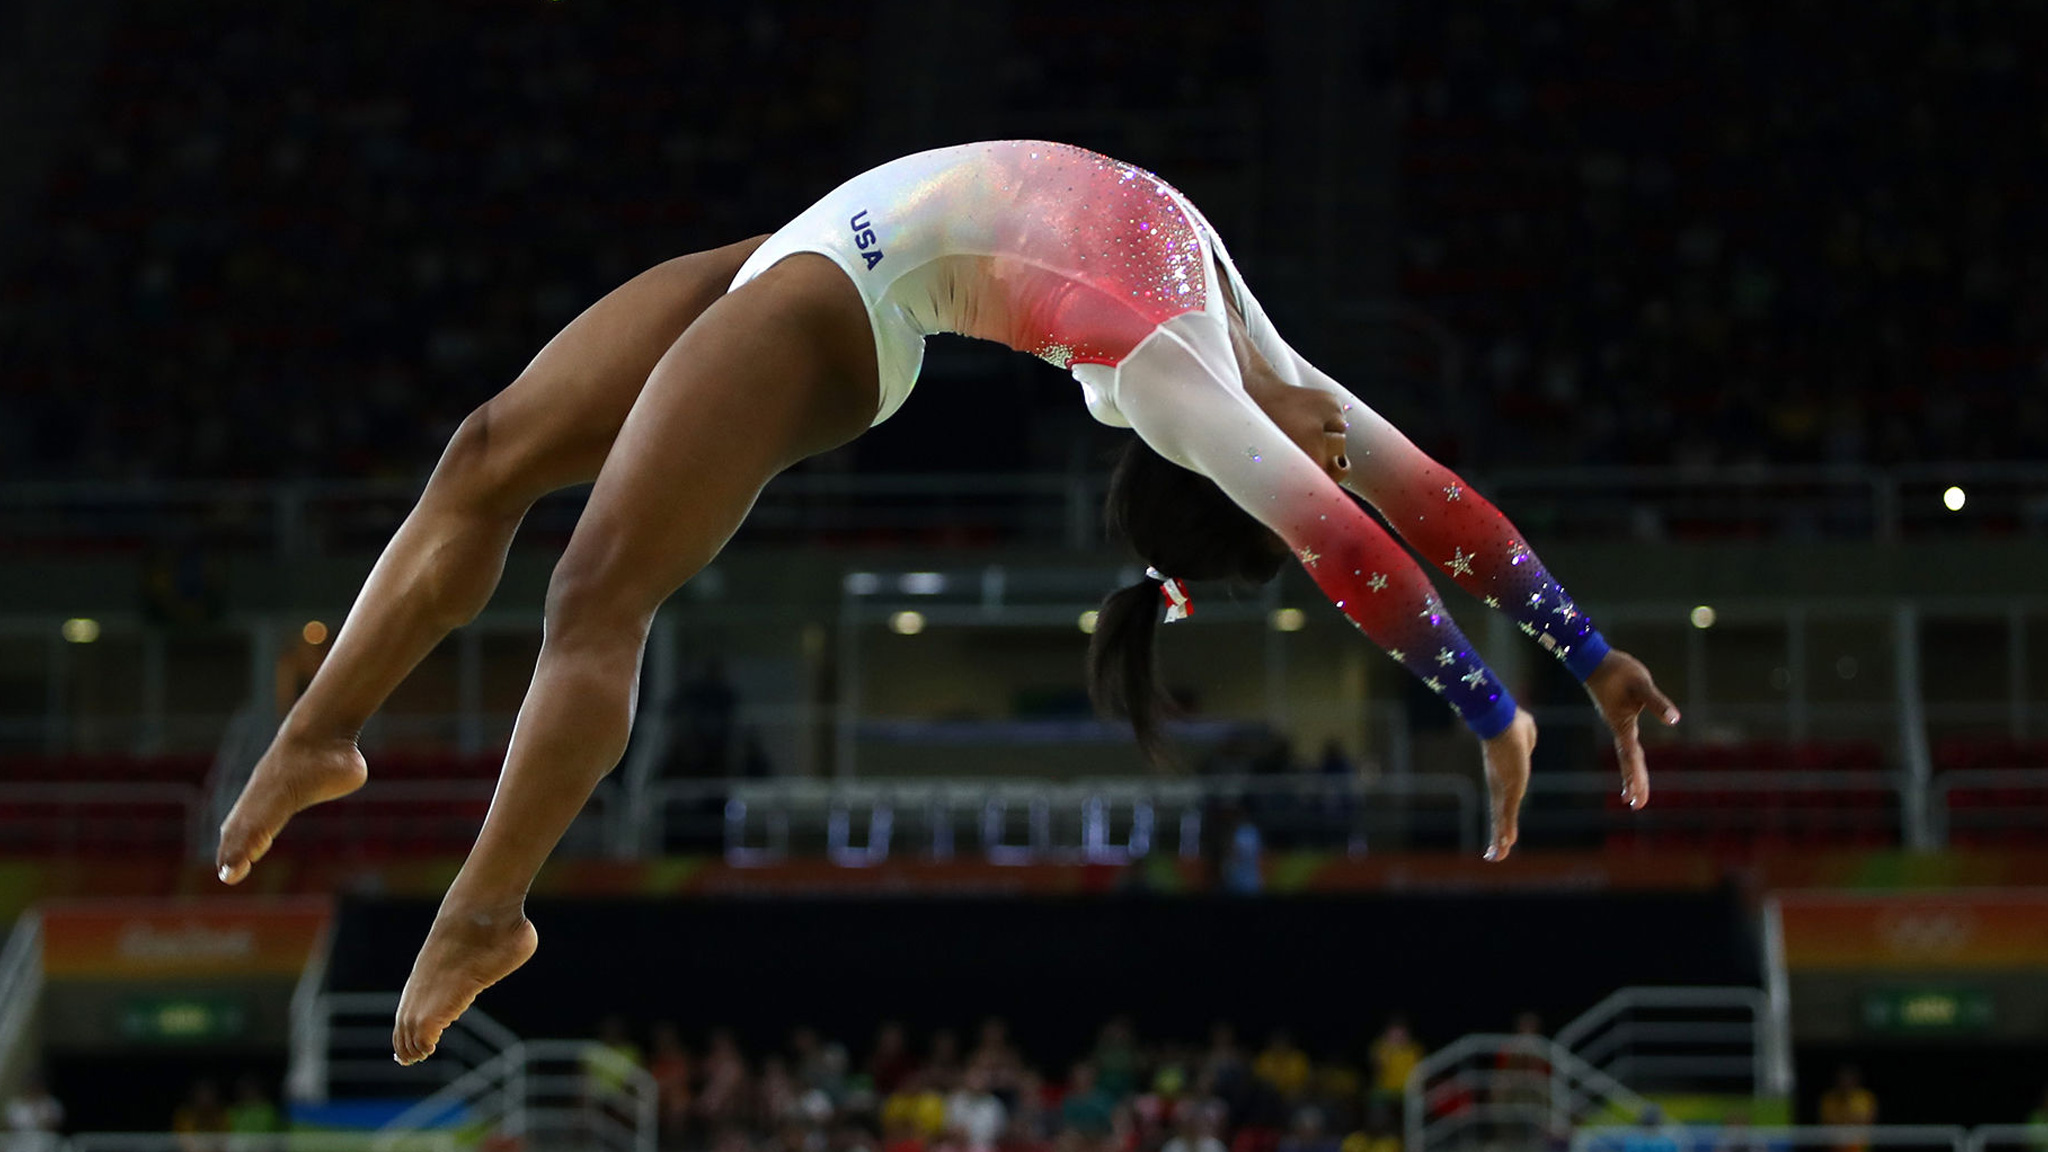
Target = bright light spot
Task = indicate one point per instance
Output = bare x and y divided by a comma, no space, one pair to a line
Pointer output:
81,630
314,632
922,583
1288,619
1087,621
863,583
1702,616
907,623
1953,499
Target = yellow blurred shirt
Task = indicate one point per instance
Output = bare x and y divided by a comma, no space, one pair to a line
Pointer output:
1392,1061
1286,1069
923,1111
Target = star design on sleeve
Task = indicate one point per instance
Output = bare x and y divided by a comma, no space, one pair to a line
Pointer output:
1429,611
1528,628
1444,656
1517,552
1536,599
1453,493
1308,557
1565,609
1378,581
1459,564
1399,656
1492,601
1435,685
1473,676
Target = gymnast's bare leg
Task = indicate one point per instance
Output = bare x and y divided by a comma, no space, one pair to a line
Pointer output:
549,429
782,368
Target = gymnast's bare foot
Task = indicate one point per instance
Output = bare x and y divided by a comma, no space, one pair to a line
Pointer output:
294,774
465,953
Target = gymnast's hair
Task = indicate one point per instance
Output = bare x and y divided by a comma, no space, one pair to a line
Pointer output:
1183,525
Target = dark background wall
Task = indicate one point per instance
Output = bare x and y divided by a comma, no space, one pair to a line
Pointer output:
1329,969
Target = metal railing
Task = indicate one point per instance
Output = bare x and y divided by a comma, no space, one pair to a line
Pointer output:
353,1030
1509,1090
242,1142
310,517
21,990
1987,1137
543,1094
1743,1138
1724,1039
2005,815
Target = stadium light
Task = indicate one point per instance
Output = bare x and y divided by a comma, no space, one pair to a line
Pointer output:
314,633
907,623
1953,498
81,630
1287,619
1087,621
1702,616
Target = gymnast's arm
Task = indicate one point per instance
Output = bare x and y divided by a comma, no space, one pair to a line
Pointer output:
1468,538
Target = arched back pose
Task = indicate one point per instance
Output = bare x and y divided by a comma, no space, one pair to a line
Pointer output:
687,389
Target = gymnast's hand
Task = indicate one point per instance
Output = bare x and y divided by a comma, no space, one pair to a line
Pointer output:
1507,777
1622,689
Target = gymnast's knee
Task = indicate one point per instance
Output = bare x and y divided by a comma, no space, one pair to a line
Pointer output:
594,601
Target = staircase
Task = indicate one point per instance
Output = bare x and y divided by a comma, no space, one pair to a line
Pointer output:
1512,1092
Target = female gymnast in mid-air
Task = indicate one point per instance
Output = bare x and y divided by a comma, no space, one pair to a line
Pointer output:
685,390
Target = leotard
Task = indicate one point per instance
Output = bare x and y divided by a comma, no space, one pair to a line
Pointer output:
1106,270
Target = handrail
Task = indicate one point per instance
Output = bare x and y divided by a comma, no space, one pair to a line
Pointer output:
21,983
2033,1136
1615,1137
1564,1065
1603,1026
457,1092
1941,814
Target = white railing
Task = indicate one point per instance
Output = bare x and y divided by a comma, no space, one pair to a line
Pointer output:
1688,1037
309,517
356,1027
543,1094
2001,817
1511,1090
1743,1138
21,988
1987,1137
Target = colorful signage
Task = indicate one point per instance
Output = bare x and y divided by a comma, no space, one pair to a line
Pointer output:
1966,930
209,939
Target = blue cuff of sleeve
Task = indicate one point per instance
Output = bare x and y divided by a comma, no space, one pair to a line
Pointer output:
1586,655
1495,720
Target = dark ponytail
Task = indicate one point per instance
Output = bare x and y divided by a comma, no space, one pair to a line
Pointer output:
1183,525
1121,658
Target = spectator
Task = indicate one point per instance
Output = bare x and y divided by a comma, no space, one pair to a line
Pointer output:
974,1114
995,1056
1649,1135
1225,1072
1282,1067
942,1067
253,1111
609,1062
1088,1109
200,1119
1394,1056
1849,1105
1196,1132
1380,1133
917,1107
820,1065
723,1097
35,1110
1307,1134
1116,1059
669,1064
891,1062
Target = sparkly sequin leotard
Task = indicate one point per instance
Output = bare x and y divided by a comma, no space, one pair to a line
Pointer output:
1104,269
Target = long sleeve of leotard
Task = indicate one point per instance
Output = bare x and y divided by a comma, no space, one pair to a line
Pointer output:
1441,517
1198,415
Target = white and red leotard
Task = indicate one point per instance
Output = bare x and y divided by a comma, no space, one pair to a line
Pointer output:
1105,269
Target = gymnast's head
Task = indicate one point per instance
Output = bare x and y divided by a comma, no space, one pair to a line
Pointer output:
1185,528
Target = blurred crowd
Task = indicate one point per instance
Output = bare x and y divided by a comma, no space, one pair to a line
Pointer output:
1712,233
984,1095
289,243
